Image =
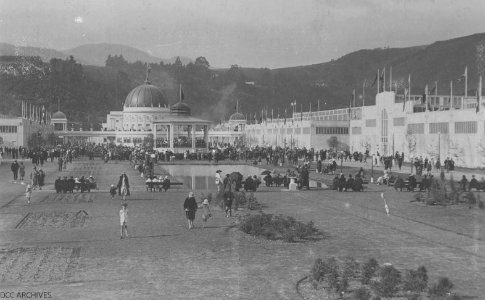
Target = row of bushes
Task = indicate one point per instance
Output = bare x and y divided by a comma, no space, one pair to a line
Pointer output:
445,192
279,227
370,280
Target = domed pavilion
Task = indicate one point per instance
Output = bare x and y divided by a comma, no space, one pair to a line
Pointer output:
147,114
231,132
59,120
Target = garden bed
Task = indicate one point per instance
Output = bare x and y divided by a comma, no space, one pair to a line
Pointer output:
284,228
346,278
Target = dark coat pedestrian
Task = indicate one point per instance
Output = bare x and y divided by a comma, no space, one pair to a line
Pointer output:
58,185
190,207
15,169
123,185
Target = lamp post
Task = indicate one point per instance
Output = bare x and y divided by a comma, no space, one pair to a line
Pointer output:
439,149
372,169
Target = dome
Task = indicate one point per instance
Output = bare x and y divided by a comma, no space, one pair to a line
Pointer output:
180,108
145,95
237,116
59,115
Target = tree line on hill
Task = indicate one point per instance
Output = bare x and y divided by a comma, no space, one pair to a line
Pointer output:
87,93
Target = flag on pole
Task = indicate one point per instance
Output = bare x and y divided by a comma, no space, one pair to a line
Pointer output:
409,85
405,99
301,112
425,93
450,101
382,79
350,107
285,115
375,79
390,78
479,93
462,77
353,96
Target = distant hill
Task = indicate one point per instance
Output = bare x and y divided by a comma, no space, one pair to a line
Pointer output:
334,81
44,53
89,54
96,54
212,93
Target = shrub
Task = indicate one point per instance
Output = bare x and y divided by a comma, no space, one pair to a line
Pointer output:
416,281
318,270
239,200
351,267
332,270
361,294
368,270
437,193
440,289
276,227
253,204
388,283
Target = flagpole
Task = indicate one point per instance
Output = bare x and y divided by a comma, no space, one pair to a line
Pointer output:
353,95
409,86
451,94
318,108
426,97
384,80
378,81
479,93
390,79
466,81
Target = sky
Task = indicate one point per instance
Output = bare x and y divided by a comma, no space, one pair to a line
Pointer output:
250,33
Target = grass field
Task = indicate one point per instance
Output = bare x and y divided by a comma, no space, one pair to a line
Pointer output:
80,255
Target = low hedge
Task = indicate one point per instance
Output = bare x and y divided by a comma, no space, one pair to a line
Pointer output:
279,227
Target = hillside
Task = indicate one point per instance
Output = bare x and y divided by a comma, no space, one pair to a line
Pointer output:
213,93
44,53
96,54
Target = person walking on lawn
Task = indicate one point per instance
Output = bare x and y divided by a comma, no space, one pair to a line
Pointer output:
190,207
206,211
124,219
15,170
228,197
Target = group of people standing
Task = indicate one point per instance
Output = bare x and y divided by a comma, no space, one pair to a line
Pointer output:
18,169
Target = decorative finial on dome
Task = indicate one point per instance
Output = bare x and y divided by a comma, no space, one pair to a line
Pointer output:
147,81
